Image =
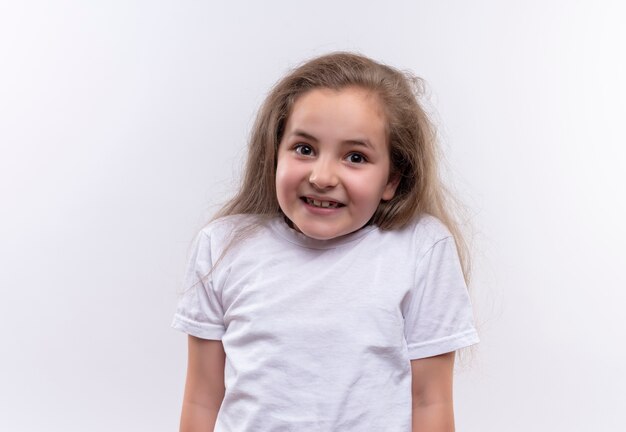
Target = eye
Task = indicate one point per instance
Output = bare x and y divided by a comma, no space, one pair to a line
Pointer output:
356,158
303,149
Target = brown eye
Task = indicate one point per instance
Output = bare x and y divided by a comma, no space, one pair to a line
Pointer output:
303,149
356,158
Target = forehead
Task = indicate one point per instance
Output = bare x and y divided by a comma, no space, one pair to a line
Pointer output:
338,114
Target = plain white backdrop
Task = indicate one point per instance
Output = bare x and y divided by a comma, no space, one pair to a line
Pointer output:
123,125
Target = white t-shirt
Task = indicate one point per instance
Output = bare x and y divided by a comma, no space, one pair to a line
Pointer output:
319,334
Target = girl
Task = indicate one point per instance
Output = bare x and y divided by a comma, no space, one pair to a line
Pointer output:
328,294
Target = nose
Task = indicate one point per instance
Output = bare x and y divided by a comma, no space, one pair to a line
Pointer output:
323,174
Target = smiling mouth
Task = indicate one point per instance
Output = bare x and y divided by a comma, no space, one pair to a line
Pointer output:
322,204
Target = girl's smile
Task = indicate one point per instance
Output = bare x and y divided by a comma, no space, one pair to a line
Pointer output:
333,162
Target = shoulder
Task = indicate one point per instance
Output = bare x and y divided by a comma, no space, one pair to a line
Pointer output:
414,240
229,224
426,231
232,231
431,225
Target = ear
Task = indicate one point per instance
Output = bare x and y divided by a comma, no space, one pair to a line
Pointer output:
390,187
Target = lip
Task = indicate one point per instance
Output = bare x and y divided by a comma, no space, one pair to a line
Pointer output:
321,211
321,198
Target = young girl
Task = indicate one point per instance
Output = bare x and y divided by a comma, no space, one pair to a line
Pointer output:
329,294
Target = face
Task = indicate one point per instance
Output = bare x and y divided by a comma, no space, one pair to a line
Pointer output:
333,162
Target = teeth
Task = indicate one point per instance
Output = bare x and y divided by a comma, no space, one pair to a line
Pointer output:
323,204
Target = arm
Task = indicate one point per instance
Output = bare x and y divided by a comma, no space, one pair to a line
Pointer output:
433,409
204,388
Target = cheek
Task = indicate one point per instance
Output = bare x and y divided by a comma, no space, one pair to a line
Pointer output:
284,179
280,173
280,189
368,192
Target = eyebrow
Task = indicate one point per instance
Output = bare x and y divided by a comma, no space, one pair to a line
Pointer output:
361,142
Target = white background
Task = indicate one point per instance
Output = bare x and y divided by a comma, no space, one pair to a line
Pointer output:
123,124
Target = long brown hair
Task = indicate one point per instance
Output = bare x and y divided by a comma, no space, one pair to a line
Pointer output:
414,151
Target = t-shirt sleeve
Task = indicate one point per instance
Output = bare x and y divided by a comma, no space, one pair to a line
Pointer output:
199,312
437,311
